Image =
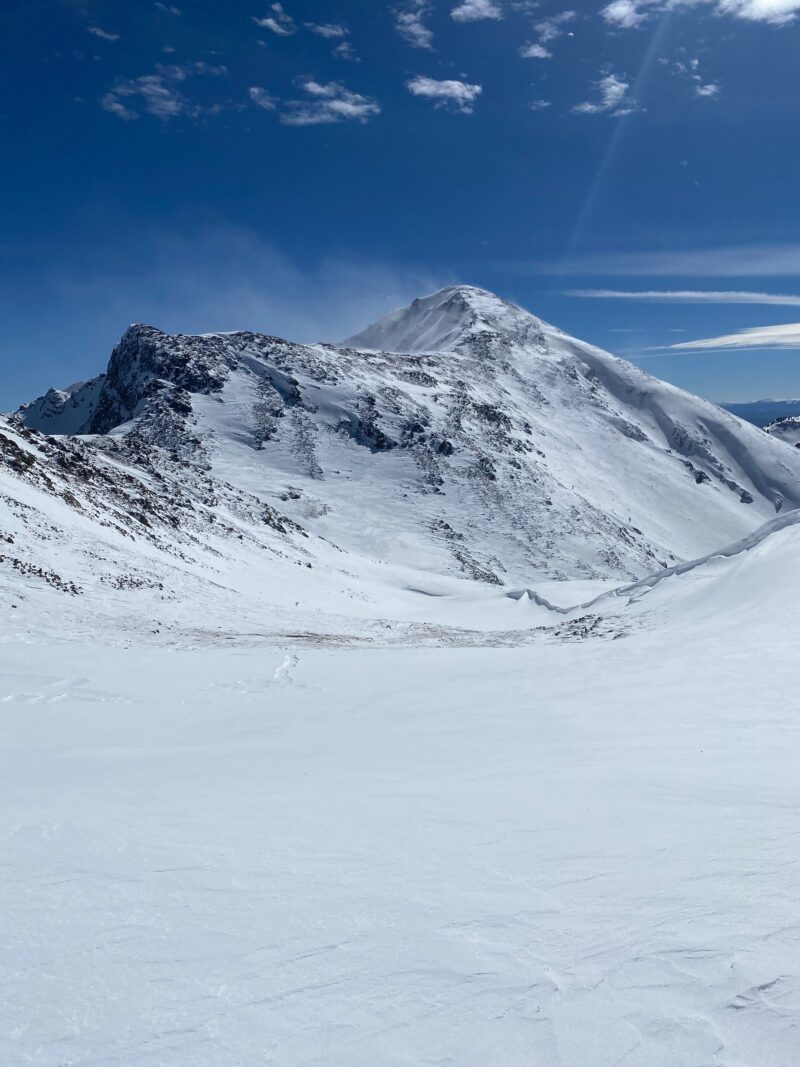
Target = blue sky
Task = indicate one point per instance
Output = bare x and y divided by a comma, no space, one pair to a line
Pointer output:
303,168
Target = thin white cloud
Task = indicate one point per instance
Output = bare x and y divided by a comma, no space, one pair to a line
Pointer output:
113,104
535,51
450,93
547,30
409,21
725,261
104,35
628,14
774,11
344,50
170,9
476,11
204,68
327,103
261,98
335,31
551,28
784,336
690,69
688,296
159,94
331,30
612,91
540,105
278,22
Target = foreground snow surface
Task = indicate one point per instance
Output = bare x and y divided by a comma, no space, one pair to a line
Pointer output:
568,854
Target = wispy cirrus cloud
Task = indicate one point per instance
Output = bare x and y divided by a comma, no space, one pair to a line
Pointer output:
104,35
450,93
764,260
786,335
279,22
688,296
476,11
410,23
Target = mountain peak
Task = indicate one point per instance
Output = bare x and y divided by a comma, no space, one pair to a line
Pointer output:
447,321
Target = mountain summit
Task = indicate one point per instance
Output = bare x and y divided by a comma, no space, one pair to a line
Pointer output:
449,320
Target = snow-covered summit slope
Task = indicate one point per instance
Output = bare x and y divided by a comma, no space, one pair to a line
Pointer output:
491,447
449,319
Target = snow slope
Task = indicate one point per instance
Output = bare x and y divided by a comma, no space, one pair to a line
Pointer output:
746,577
507,453
576,851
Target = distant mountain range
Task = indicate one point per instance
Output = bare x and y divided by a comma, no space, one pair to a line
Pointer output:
763,412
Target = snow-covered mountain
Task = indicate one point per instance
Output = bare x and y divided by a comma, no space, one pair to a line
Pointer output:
786,429
458,438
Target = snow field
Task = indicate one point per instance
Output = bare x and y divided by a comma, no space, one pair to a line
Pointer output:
564,854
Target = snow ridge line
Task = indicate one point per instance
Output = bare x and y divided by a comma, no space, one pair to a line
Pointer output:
790,518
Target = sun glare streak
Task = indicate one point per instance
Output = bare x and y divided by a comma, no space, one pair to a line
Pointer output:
615,141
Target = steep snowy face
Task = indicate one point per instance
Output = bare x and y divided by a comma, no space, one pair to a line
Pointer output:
460,436
64,411
454,319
